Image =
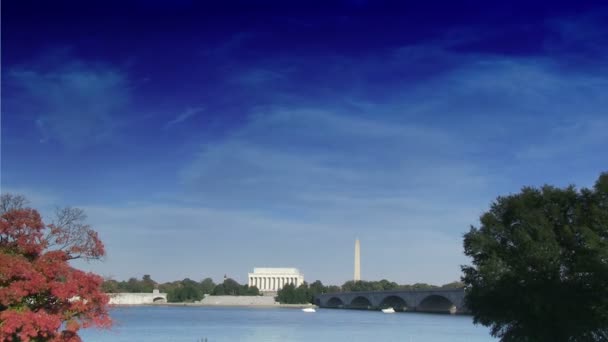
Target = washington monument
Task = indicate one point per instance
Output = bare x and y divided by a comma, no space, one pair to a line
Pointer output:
357,261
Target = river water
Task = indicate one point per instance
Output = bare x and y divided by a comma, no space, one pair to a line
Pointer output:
230,324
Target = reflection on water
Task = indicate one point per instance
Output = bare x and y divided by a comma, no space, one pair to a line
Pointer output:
193,324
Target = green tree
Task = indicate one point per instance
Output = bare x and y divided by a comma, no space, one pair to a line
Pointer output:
287,295
133,285
362,285
387,285
422,286
147,284
540,265
333,289
317,288
247,290
110,286
207,286
303,294
453,285
187,291
219,290
232,287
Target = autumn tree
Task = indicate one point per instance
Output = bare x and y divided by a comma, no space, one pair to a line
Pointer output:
43,298
540,265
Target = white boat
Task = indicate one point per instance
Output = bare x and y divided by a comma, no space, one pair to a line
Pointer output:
309,310
388,310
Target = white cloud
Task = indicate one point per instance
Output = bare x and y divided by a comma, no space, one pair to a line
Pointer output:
409,175
573,137
75,103
325,177
185,115
286,155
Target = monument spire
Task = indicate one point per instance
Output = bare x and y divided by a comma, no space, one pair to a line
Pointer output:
357,276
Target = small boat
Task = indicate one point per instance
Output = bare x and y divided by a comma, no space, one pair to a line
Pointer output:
388,310
309,310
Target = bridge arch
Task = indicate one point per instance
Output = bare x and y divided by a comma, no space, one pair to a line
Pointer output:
361,302
437,303
159,300
335,302
395,302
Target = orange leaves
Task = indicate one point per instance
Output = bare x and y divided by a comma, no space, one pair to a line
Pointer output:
39,291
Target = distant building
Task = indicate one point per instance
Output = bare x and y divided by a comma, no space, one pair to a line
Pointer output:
268,279
357,275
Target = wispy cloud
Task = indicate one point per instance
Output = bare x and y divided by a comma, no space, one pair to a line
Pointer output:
73,102
185,115
570,138
403,147
288,155
420,166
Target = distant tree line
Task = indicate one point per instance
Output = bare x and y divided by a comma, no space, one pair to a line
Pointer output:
186,290
305,293
385,285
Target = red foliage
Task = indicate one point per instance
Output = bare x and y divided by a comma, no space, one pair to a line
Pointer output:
43,298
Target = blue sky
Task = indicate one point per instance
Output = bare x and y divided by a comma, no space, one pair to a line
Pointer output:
207,140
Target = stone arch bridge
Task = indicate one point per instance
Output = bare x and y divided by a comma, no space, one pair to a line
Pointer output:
432,300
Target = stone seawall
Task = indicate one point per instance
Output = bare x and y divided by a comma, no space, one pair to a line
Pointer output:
239,300
137,298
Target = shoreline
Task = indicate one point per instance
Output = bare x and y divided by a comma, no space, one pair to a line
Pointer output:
261,306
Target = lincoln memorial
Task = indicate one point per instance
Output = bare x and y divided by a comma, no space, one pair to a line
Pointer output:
268,279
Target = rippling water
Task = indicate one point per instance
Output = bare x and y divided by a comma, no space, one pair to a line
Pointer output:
193,324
